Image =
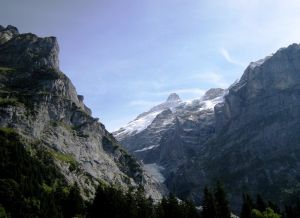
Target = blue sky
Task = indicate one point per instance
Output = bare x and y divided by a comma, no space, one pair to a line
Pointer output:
125,56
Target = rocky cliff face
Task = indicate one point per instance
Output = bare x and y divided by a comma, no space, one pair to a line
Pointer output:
41,103
27,50
170,133
249,140
256,147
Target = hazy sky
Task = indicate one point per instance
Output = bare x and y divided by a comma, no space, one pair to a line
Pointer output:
125,56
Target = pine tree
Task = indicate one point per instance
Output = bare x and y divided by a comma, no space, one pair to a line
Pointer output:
74,202
260,204
130,205
247,206
2,212
208,204
190,210
222,206
274,207
161,209
173,209
144,205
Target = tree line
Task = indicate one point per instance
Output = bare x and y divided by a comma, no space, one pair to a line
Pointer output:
260,208
32,186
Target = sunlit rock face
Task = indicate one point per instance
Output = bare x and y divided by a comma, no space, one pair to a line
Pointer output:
27,50
41,103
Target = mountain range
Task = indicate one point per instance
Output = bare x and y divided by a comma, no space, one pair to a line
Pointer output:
246,136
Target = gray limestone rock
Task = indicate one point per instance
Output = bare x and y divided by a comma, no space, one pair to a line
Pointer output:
173,97
247,136
7,33
172,133
255,147
41,104
27,50
213,93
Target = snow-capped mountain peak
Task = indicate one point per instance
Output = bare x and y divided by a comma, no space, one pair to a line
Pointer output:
173,97
177,107
259,62
137,125
145,119
212,93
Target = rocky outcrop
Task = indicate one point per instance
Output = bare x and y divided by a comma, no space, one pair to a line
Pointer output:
173,97
7,33
27,50
41,104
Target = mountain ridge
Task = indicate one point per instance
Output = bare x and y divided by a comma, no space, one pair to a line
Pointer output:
249,139
152,145
41,104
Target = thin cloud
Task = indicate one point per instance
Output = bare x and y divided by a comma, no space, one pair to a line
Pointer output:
229,58
145,103
194,91
188,92
142,103
212,78
115,124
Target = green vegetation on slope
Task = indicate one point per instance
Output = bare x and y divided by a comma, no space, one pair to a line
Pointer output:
113,203
8,101
6,69
33,186
66,158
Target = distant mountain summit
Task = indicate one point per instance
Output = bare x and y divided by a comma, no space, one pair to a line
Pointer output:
247,136
164,136
173,97
213,93
145,119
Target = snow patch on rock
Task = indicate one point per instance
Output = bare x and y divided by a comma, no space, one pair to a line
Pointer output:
155,170
147,148
211,98
259,62
137,125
